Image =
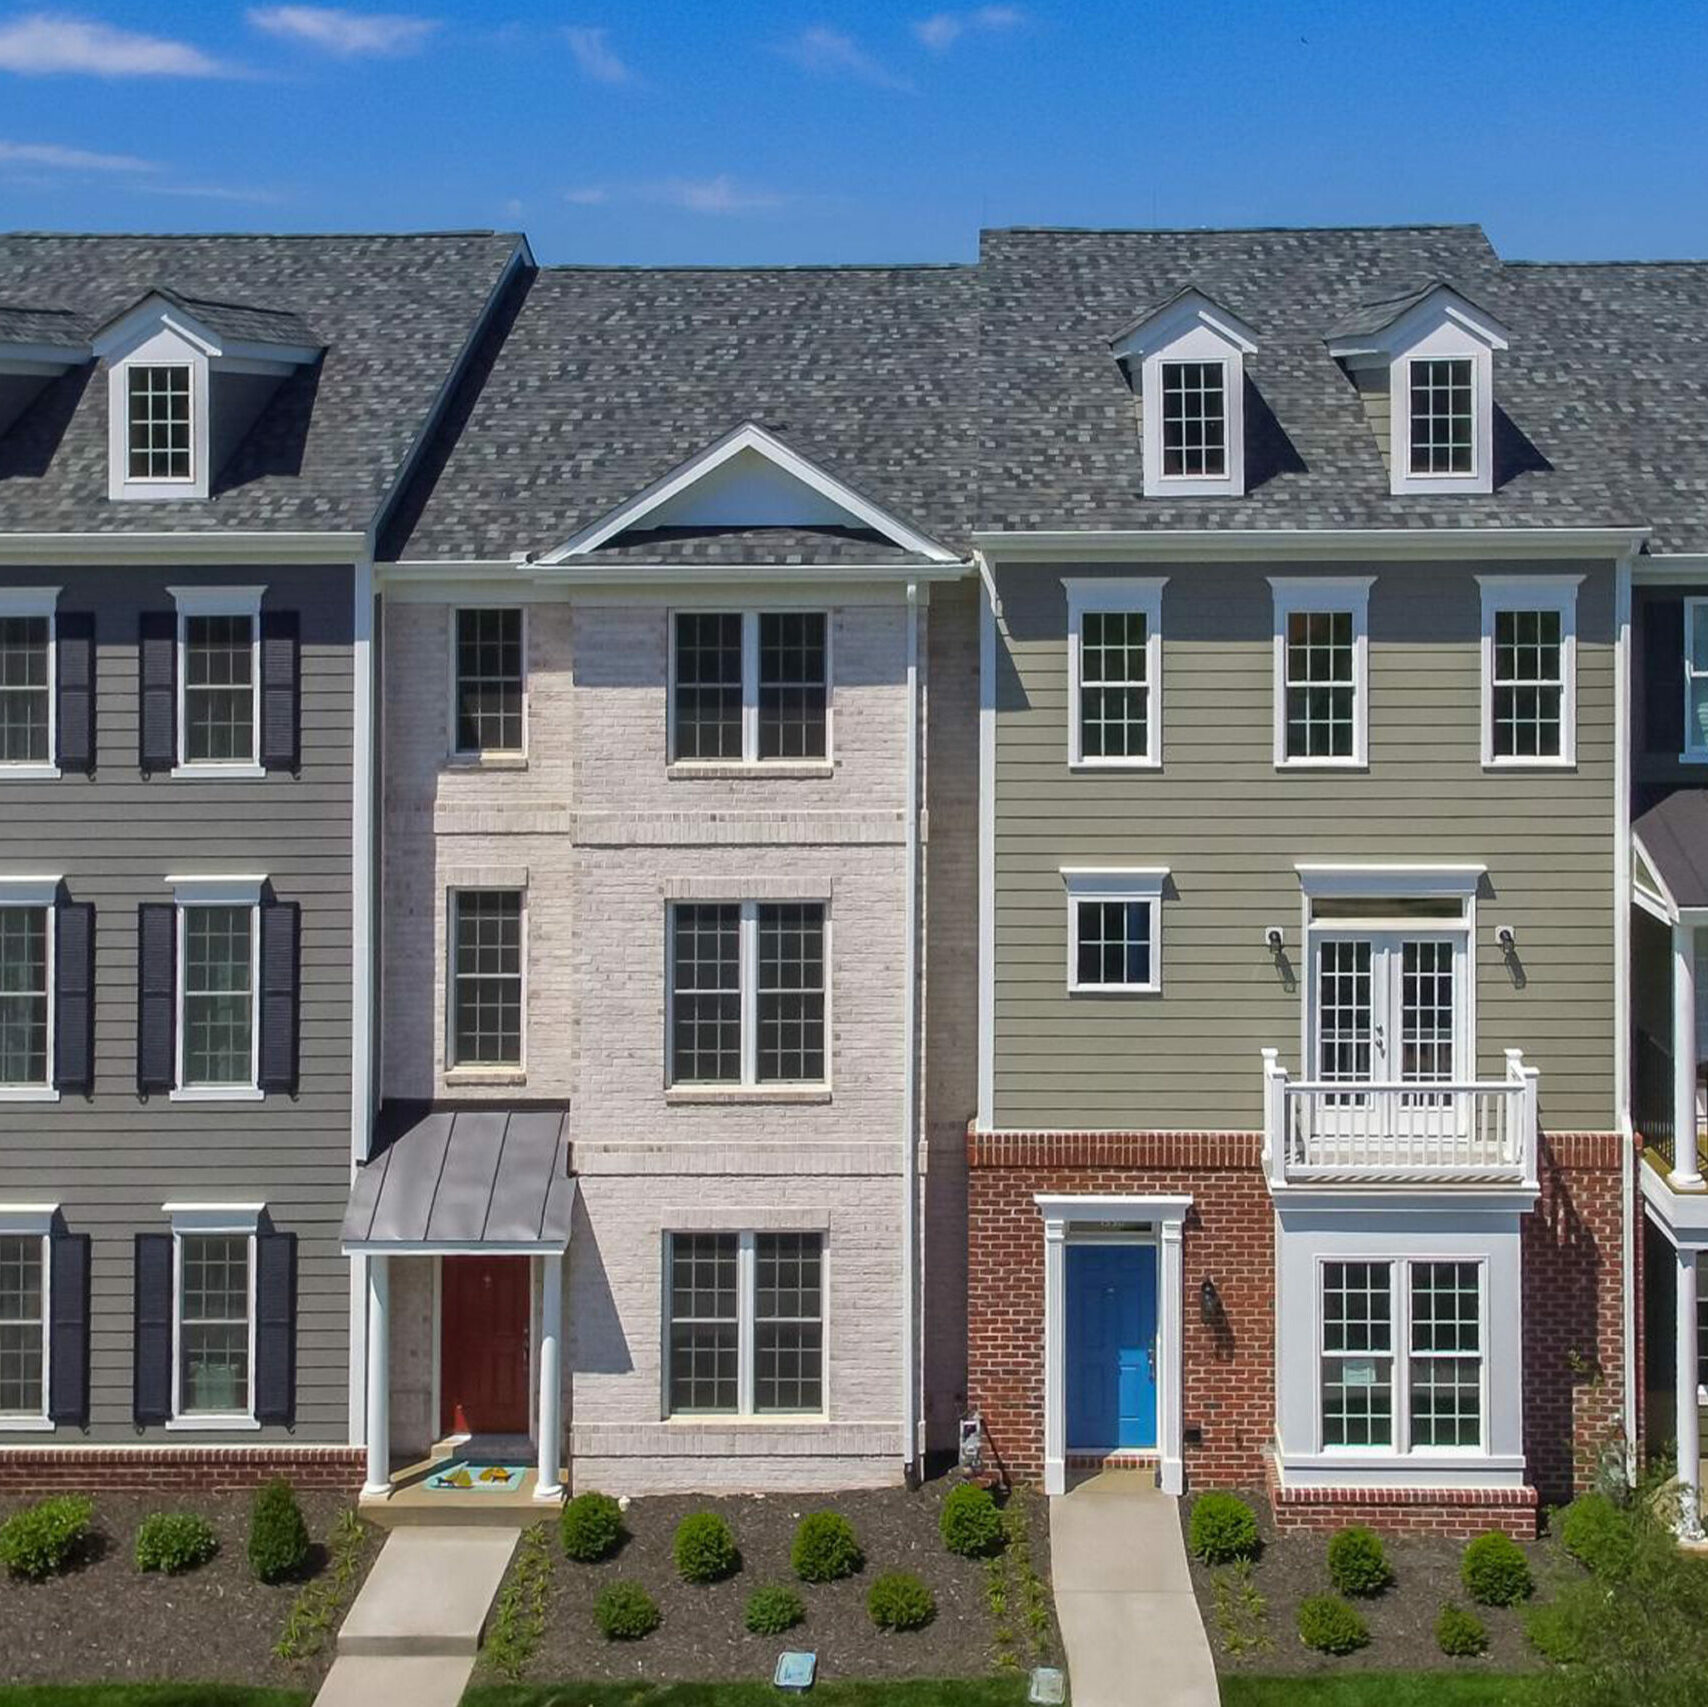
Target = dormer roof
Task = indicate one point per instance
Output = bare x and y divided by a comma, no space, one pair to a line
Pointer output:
22,326
231,330
1188,306
1387,323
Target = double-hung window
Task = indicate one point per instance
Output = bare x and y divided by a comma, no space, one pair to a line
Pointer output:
486,978
748,993
1696,681
26,994
220,963
1114,930
749,687
1443,415
1114,672
487,717
27,683
1529,670
1194,420
23,1327
215,1325
219,680
746,1323
157,403
1401,1357
1321,649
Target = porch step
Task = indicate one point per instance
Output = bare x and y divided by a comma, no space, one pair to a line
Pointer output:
428,1593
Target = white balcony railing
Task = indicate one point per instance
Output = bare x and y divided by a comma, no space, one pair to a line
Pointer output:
1356,1132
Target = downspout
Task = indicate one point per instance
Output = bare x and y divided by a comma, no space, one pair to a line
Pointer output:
1622,998
364,738
910,1418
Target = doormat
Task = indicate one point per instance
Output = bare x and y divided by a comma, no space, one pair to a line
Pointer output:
463,1478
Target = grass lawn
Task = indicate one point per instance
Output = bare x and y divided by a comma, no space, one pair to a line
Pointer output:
974,1692
1387,1689
148,1695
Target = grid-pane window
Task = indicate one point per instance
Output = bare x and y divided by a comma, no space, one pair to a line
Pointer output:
1442,417
23,690
23,995
705,993
489,681
1194,419
791,992
219,996
486,962
792,687
1357,1354
1114,685
705,1322
213,1324
788,1328
1427,1027
219,689
159,423
1322,690
1113,943
1446,1369
707,688
1529,684
23,1377
1344,1010
1696,677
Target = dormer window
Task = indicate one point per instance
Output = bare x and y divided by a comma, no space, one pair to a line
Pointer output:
1443,416
159,422
1194,420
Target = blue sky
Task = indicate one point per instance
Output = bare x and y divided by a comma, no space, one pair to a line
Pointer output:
858,130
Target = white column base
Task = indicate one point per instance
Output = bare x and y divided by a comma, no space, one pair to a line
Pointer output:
378,1483
1055,1476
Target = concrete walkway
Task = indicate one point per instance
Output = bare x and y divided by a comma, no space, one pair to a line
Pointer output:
411,1637
1124,1597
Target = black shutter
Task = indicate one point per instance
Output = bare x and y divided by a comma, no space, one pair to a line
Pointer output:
75,678
74,996
281,930
1663,676
68,1330
157,716
156,995
275,1327
281,670
152,1378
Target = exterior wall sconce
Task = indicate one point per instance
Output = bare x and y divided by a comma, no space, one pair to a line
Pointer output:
1273,939
1209,1301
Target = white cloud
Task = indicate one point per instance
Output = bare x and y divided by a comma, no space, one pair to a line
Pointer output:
943,29
215,193
39,44
589,195
712,195
595,55
829,52
350,35
51,155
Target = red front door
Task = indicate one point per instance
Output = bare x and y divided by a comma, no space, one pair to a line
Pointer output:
483,1348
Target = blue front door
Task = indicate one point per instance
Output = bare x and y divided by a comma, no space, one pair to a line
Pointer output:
1111,1347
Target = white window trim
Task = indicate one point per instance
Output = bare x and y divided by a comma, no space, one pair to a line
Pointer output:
1399,1294
750,759
1097,594
120,483
483,1072
36,893
1444,345
1138,883
498,757
1695,752
24,1221
230,1219
217,891
1540,593
38,601
747,1329
218,601
1295,594
750,1086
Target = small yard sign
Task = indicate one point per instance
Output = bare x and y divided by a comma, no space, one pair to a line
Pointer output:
795,1671
1049,1687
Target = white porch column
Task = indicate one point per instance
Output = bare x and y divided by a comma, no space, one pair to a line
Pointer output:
548,1485
1689,1428
378,1484
1685,1169
1170,1333
1055,1356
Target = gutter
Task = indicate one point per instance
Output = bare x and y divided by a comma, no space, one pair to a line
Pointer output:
912,1424
1307,544
579,574
137,548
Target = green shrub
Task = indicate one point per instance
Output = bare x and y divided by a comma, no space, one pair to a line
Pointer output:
174,1541
705,1548
1358,1563
1597,1534
772,1610
278,1536
900,1601
1460,1634
41,1540
1331,1626
1495,1571
591,1527
1552,1632
1223,1529
826,1548
625,1612
970,1523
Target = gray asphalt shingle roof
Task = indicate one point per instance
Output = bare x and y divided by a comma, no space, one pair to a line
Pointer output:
394,312
243,321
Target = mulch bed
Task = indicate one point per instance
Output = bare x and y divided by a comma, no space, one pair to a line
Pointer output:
1291,1568
105,1621
702,1635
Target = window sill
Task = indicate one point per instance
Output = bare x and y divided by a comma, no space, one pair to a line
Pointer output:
1322,764
25,1425
28,1093
29,773
1095,990
219,772
685,1095
1530,765
1095,765
746,770
209,1424
215,1093
743,1419
486,1076
486,762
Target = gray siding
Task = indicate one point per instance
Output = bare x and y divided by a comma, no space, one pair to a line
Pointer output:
1230,827
112,1159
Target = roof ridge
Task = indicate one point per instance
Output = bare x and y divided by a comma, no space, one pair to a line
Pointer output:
1663,261
1221,230
260,236
764,267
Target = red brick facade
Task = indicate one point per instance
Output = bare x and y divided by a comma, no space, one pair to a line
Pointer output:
201,1469
1459,1514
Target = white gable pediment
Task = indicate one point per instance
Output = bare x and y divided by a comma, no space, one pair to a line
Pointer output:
749,491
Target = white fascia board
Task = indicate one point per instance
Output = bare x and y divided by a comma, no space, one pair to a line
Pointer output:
1681,1215
1358,881
40,360
1304,544
1669,567
1661,890
1442,304
454,1247
25,1218
1094,1209
1191,307
96,549
118,337
213,1217
29,891
550,573
753,437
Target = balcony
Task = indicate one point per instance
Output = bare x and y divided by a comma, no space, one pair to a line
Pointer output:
1361,1133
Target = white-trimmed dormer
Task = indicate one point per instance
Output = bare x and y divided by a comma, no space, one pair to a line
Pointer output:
1188,360
186,380
1424,365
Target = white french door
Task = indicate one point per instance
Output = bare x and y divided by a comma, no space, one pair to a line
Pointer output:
1388,1008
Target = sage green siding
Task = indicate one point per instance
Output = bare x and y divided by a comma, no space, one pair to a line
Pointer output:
1230,826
